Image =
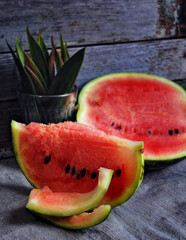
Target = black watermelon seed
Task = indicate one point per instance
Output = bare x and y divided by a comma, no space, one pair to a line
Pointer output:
93,175
118,172
78,176
47,159
149,132
170,132
112,124
141,150
119,127
83,172
176,131
67,169
73,171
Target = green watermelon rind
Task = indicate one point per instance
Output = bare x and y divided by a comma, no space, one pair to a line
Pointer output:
15,141
156,165
96,217
136,184
69,204
81,114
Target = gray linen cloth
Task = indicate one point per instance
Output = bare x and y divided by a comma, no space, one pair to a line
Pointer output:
157,210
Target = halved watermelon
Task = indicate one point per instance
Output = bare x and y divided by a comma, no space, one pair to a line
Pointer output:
139,107
66,158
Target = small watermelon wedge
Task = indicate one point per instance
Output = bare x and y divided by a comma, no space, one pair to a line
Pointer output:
81,221
60,204
139,107
66,158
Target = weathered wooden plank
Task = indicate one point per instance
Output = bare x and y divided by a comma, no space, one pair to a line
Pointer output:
165,58
8,110
93,21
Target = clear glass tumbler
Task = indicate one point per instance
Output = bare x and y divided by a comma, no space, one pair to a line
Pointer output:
47,108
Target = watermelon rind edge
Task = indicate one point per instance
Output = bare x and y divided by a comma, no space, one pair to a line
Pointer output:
138,180
99,215
16,127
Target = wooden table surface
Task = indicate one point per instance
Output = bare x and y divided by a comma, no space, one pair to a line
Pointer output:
120,36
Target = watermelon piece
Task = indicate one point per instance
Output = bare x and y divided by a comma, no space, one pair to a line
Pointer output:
81,221
140,107
66,157
60,204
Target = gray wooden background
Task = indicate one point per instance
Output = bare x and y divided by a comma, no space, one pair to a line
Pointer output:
119,35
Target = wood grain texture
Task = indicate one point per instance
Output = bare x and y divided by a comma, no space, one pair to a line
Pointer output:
93,21
166,58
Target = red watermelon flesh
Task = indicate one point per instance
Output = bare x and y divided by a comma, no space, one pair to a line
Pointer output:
66,157
139,107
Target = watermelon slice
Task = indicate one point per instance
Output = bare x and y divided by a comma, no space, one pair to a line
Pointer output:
81,221
66,158
60,204
140,107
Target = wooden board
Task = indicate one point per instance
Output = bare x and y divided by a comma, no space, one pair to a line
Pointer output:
93,21
120,36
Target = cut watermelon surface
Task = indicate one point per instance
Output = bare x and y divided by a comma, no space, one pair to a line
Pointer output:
140,107
66,158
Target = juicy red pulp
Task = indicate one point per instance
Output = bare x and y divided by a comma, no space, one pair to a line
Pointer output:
139,109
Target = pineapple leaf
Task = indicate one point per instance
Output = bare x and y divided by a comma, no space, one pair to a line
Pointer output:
51,61
65,79
36,81
68,56
42,45
38,57
27,84
58,60
30,64
64,51
27,62
20,52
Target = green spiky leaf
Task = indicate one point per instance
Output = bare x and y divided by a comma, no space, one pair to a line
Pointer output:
32,70
30,64
64,51
36,81
38,57
27,84
37,71
20,53
58,60
41,42
65,79
51,61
